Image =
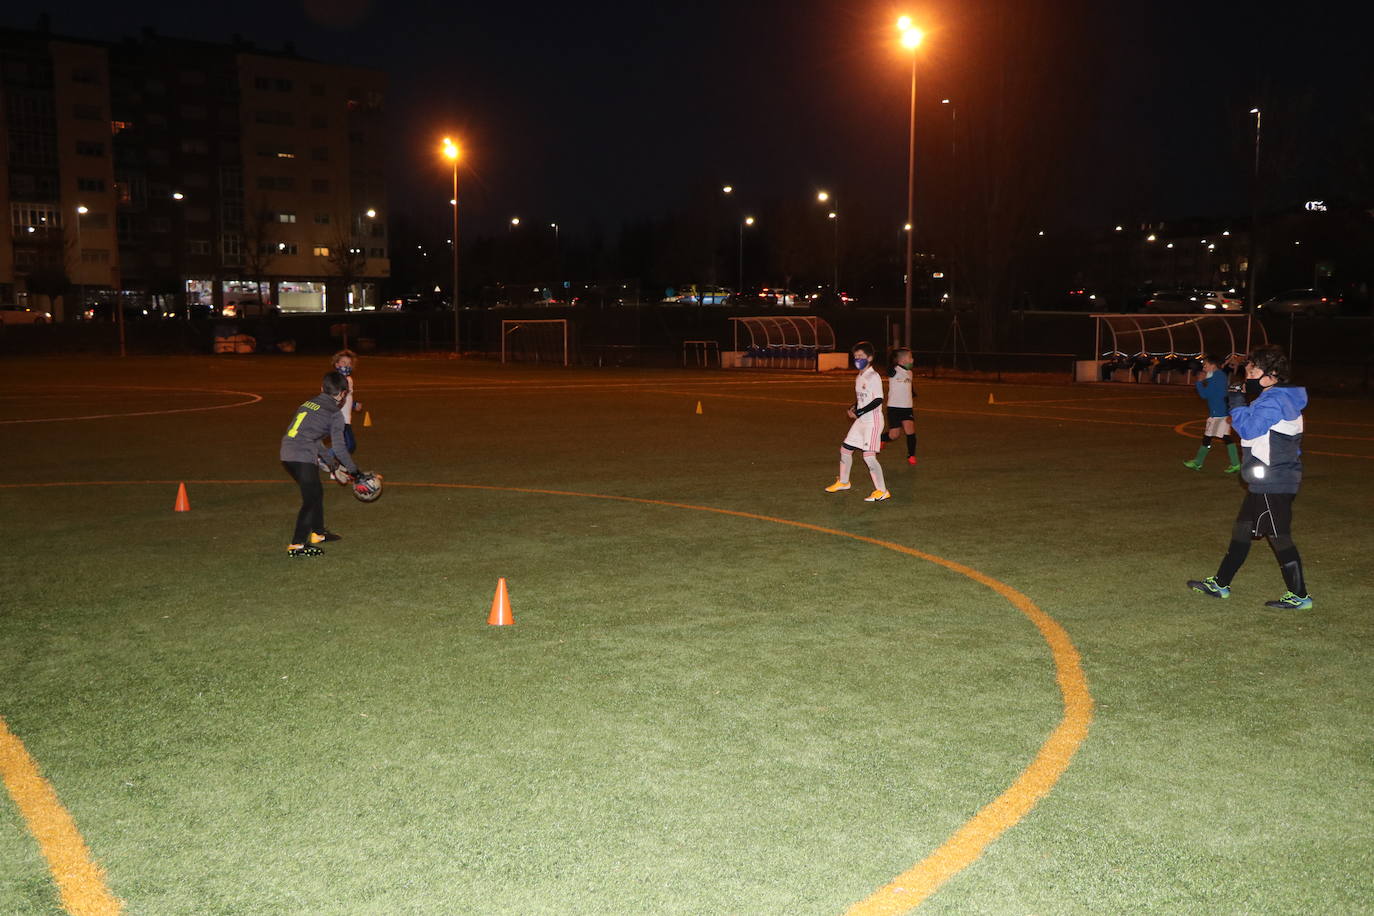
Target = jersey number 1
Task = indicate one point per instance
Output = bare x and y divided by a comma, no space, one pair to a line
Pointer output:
291,433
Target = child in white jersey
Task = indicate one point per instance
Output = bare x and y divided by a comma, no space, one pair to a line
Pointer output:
866,432
901,409
343,364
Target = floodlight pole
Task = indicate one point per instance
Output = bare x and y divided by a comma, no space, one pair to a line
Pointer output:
1254,230
910,206
457,347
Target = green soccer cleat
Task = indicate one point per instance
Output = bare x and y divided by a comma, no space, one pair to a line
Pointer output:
837,486
1210,587
1233,468
1291,602
1193,463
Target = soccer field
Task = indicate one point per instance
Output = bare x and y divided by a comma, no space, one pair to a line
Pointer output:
725,692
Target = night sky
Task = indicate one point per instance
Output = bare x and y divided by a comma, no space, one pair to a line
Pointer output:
590,114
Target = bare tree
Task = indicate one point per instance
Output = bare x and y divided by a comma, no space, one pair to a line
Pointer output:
347,257
259,243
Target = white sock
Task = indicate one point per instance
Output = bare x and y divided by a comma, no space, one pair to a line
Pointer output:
846,462
876,470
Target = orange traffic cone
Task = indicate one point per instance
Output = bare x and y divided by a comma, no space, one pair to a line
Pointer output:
698,407
500,615
990,400
183,504
367,418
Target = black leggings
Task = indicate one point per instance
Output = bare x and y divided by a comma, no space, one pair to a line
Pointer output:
311,516
1267,515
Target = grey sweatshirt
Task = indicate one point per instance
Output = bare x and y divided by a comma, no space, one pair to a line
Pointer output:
316,418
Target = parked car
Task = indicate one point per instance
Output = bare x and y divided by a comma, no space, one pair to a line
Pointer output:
1217,300
1172,302
18,314
693,294
774,296
246,307
1301,302
825,297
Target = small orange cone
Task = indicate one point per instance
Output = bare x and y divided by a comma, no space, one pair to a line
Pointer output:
367,418
698,407
500,615
990,400
183,504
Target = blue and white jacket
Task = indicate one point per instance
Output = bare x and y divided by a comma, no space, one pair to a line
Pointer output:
1212,389
1270,430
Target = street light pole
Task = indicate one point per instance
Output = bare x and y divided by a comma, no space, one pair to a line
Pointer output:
451,151
81,211
747,221
557,264
1254,230
911,38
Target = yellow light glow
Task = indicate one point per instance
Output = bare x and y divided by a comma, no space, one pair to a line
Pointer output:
83,210
515,220
904,24
748,221
371,214
831,215
451,149
912,38
728,189
822,196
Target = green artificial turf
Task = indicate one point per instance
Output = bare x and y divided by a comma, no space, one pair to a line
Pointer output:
694,713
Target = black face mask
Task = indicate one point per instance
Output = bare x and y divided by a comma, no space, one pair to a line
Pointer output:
1253,388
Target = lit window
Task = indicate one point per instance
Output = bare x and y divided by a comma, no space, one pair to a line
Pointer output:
321,251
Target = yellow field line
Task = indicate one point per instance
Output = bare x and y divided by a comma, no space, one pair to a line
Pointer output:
966,846
924,878
80,881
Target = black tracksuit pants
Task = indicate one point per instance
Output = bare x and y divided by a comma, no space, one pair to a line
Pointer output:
311,516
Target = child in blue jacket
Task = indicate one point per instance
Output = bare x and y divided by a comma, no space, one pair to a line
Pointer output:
1270,429
1212,389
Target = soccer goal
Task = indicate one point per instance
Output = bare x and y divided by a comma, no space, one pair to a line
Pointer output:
538,340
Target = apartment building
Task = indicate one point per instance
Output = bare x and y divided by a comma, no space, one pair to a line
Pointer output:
182,174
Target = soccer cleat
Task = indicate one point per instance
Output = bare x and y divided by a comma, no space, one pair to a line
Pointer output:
837,486
304,550
911,460
1193,463
1291,602
877,496
321,537
1233,468
1210,587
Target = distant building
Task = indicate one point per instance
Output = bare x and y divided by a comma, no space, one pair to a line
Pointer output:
185,174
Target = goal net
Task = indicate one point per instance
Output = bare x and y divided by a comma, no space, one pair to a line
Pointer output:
539,340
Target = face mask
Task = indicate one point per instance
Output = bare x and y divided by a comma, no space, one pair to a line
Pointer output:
345,370
1253,388
860,363
908,364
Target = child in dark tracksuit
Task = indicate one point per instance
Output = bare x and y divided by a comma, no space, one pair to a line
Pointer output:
300,449
1212,389
1270,430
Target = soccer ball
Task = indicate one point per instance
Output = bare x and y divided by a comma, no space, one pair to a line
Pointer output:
368,488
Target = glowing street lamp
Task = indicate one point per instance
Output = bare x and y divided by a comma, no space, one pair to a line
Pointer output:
911,40
452,154
371,213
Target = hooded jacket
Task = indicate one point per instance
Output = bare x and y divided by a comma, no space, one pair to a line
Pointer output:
1270,430
1212,389
316,418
